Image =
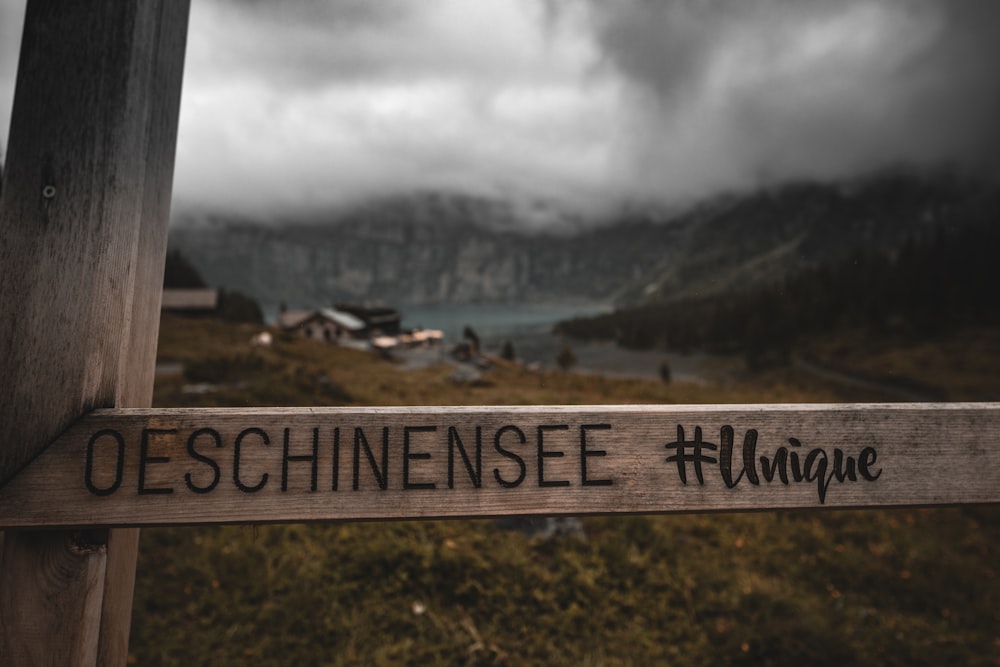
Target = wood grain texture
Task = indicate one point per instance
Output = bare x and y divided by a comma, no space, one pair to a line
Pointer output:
83,217
46,562
191,466
74,198
164,32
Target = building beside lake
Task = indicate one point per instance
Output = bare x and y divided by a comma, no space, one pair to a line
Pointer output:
378,320
328,325
378,327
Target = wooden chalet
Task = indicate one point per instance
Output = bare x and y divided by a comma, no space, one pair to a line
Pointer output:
328,325
378,320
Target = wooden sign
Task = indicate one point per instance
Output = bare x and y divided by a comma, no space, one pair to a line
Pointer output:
191,466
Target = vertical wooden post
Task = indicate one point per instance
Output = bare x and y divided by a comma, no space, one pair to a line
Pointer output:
83,218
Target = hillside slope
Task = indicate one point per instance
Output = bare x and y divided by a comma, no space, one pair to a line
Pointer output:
434,249
747,242
411,252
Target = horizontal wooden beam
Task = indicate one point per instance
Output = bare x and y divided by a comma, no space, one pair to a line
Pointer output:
195,466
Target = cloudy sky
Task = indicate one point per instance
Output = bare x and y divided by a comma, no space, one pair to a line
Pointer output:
309,103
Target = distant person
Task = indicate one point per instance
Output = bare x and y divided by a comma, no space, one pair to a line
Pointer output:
665,371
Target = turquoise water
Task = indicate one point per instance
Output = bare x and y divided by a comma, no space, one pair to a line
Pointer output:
529,330
527,327
491,322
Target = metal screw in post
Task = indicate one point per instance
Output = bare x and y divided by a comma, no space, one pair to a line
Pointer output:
49,192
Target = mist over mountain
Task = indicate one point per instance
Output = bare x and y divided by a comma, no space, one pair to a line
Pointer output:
423,249
443,249
739,242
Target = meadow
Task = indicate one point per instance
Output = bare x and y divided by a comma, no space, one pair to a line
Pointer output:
887,587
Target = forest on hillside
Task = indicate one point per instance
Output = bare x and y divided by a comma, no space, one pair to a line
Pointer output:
931,285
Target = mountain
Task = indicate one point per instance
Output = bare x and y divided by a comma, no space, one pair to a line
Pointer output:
424,249
893,258
736,243
434,248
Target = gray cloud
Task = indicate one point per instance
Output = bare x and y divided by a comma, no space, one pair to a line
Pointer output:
482,96
309,103
308,44
730,94
11,22
300,43
339,16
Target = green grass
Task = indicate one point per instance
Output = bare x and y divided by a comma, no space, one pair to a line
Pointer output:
836,588
898,587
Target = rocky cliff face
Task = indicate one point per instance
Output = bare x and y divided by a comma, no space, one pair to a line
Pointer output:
437,249
456,255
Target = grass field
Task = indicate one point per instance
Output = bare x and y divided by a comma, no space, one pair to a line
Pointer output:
962,365
896,587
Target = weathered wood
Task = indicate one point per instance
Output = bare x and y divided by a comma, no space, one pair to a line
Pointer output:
165,34
72,565
74,191
121,552
83,218
191,466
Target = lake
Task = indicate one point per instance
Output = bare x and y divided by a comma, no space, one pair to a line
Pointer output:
528,327
492,322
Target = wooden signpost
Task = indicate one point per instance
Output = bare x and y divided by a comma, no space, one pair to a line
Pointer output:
192,466
83,461
83,222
